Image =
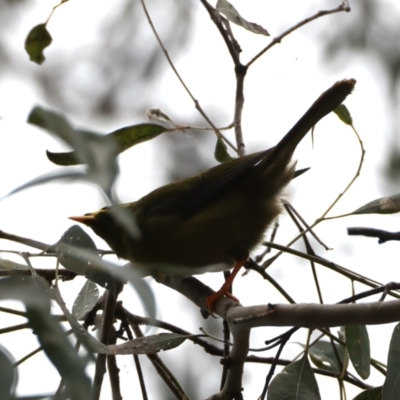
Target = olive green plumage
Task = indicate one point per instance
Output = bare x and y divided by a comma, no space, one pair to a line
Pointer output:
210,221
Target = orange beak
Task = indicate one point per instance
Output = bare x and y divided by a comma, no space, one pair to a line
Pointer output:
84,219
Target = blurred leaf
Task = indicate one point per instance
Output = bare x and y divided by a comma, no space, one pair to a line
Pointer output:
11,265
324,357
54,123
357,341
370,394
8,376
63,159
134,275
37,40
34,293
155,114
89,341
295,382
344,115
86,300
384,205
230,12
45,179
76,237
99,152
125,137
221,151
148,344
391,386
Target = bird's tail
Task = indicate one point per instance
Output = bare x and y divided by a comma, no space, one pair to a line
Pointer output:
327,102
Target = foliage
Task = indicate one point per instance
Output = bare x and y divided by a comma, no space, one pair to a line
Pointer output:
75,254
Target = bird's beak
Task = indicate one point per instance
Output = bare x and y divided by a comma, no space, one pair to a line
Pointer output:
84,219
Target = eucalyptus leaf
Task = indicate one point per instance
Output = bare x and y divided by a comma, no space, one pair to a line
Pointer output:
391,386
148,344
57,176
8,376
76,238
230,12
383,205
357,342
86,300
344,115
324,357
34,293
221,151
370,394
37,40
134,275
90,342
295,382
98,152
125,137
11,265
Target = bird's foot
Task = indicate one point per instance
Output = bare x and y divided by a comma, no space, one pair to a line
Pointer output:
211,300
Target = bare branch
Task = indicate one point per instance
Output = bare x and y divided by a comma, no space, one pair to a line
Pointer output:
343,7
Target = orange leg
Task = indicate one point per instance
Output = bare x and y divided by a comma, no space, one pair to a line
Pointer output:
224,291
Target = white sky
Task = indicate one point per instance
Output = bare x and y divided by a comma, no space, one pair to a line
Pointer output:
279,88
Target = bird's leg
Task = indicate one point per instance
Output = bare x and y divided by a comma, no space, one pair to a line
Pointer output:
224,291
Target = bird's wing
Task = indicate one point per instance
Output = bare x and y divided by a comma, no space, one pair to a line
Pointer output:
190,195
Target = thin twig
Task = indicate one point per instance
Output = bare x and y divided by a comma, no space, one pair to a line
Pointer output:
106,326
196,102
383,236
357,174
159,365
113,370
323,217
343,7
291,211
252,265
331,265
273,366
288,206
136,359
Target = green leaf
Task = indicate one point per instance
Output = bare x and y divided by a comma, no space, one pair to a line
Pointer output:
384,205
148,344
37,40
370,394
230,12
76,237
135,134
86,300
357,341
125,137
324,357
34,293
344,115
391,386
90,342
8,376
295,382
167,341
221,151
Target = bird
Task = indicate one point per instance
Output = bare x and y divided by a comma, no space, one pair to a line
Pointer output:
212,221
